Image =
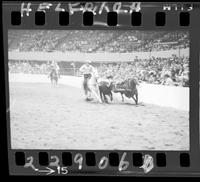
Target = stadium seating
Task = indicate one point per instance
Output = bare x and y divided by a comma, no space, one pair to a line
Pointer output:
155,71
95,41
152,70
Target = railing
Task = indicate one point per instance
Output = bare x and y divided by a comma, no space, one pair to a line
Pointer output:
66,71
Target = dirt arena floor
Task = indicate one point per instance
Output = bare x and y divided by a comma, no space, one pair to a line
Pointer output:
46,117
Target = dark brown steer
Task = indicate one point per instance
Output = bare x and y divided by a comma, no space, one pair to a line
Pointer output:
105,89
127,88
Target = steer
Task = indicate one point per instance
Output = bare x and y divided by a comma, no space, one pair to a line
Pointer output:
105,88
127,88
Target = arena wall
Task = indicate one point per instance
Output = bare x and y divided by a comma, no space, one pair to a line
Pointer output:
95,57
167,96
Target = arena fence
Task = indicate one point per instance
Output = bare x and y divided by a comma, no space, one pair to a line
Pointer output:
167,96
95,57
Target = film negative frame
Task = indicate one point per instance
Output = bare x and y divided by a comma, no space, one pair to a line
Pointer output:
176,163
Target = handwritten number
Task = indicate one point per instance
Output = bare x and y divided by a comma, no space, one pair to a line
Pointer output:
123,165
56,162
64,170
79,159
147,166
103,163
30,163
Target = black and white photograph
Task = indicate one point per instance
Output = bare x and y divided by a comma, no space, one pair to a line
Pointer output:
99,89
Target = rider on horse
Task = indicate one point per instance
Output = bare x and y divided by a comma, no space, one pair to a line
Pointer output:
54,71
87,70
54,66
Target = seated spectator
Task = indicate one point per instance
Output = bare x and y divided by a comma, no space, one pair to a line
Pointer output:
167,80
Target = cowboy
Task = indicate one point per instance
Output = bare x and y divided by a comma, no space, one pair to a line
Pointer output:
107,79
87,70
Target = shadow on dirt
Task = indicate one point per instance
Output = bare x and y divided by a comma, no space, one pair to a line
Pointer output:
118,103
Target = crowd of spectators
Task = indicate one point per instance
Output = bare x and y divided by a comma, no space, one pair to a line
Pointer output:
41,67
28,67
167,71
96,40
172,71
37,40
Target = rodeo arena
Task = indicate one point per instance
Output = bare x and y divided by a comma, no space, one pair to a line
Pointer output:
99,89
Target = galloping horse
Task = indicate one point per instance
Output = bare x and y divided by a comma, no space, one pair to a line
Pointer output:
54,75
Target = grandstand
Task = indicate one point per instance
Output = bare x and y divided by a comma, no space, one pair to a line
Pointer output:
148,70
96,41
